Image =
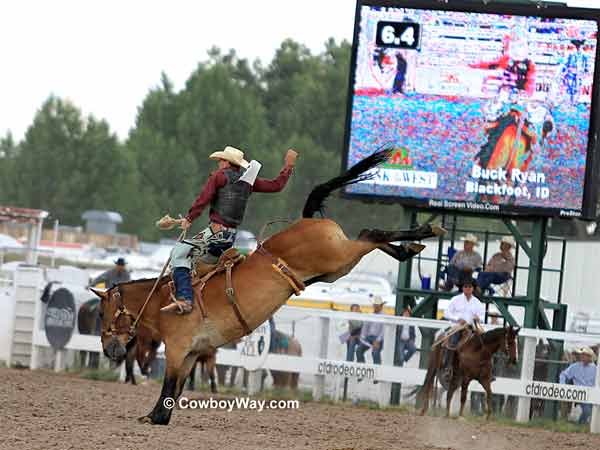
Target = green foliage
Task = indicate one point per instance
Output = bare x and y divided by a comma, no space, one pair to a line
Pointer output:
68,163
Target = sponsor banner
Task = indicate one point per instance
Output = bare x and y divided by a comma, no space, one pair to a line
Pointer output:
562,392
405,178
346,369
254,348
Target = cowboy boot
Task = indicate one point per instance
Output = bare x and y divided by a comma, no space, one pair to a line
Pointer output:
180,306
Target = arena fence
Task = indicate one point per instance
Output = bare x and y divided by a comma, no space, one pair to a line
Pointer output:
321,361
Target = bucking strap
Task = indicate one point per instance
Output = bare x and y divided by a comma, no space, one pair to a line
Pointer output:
281,267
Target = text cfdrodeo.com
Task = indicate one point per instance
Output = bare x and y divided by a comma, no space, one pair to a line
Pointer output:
230,404
346,370
559,393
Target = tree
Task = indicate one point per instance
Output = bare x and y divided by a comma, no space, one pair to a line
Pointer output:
8,153
68,164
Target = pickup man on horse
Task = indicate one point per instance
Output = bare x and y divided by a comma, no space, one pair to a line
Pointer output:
464,309
227,192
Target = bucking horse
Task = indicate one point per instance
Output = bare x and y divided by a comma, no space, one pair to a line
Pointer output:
234,303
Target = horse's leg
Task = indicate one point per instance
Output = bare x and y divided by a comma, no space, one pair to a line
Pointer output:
179,365
488,397
94,360
428,384
221,374
210,366
160,414
414,234
463,394
191,382
129,360
232,376
451,388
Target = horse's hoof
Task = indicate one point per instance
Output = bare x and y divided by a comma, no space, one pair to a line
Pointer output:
438,231
146,419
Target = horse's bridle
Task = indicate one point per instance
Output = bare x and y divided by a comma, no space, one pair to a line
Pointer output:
121,311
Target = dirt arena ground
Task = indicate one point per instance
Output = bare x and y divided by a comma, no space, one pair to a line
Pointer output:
43,410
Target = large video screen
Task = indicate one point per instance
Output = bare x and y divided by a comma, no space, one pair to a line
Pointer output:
485,112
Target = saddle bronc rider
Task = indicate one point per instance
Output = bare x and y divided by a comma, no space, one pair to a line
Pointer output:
463,309
227,192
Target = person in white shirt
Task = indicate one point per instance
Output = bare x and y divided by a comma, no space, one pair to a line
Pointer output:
463,309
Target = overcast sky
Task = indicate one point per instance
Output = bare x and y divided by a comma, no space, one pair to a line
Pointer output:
106,55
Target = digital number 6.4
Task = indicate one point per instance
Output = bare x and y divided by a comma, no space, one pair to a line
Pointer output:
398,34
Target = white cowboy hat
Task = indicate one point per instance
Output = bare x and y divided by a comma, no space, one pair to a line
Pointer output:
587,351
470,237
233,155
377,300
508,240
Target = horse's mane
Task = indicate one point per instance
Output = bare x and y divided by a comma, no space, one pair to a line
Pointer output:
139,281
489,337
493,335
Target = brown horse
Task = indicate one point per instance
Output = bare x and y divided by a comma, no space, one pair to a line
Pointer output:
474,362
143,351
308,251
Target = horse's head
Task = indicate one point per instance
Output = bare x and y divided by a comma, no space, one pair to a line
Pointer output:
117,332
511,344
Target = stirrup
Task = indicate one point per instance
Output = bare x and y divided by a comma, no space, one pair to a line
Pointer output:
180,307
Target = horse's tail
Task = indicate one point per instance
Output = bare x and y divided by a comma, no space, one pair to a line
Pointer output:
316,198
429,378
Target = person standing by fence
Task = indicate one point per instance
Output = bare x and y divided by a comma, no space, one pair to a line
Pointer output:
354,329
406,343
371,336
582,373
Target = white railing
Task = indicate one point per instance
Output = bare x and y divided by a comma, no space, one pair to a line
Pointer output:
322,366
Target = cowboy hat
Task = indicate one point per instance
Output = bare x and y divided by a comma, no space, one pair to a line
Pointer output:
233,155
377,300
121,262
470,237
508,240
587,351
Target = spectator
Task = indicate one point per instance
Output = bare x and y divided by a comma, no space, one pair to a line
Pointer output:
354,329
371,335
500,267
114,276
582,373
463,263
406,343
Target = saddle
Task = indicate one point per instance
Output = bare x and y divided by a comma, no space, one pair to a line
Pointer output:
203,272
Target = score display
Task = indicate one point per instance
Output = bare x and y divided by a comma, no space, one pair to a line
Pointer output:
398,35
487,108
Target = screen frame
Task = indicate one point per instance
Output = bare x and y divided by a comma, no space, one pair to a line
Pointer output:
591,182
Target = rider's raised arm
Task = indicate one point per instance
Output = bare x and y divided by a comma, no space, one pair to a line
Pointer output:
275,184
215,181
